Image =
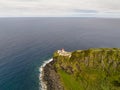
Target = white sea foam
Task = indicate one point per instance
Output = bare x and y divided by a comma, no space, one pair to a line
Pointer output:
43,85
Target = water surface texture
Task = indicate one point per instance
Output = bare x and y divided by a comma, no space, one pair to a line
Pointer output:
26,42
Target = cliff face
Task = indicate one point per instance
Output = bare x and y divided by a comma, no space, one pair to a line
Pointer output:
51,77
92,69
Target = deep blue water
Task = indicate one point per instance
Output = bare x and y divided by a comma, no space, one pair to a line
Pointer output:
26,42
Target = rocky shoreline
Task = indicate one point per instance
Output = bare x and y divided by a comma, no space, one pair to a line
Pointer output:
50,77
72,70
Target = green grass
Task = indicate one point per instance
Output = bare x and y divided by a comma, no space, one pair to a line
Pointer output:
89,80
92,69
69,82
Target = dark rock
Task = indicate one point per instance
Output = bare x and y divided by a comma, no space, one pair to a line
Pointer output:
51,77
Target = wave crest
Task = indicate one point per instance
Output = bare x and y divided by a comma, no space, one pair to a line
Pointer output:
42,83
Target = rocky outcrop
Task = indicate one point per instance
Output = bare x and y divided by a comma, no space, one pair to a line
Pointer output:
51,77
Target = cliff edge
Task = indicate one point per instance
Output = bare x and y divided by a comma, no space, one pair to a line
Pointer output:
92,69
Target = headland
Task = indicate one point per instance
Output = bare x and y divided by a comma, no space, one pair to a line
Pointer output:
92,69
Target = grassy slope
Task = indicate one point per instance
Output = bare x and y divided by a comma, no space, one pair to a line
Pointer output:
69,81
93,69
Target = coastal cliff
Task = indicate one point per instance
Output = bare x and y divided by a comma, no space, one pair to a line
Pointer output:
92,69
51,77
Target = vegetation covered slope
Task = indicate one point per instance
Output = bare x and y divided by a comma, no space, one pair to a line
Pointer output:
92,69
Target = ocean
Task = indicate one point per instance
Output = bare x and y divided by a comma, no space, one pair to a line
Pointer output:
25,43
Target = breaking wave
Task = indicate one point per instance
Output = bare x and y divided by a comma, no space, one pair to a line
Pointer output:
42,83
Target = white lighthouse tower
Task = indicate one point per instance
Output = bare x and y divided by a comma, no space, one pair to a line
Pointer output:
62,50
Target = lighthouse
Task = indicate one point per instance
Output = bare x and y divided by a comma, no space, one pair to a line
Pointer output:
63,50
